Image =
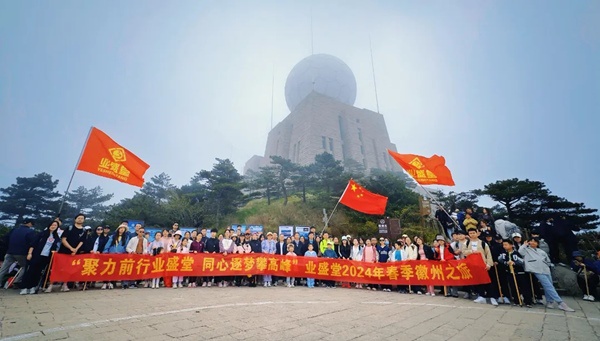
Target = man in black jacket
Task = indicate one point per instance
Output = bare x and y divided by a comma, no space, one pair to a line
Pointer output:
310,241
211,246
18,242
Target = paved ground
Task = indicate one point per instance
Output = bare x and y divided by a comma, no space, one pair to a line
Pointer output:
281,314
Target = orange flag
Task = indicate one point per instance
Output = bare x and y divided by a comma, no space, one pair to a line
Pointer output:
426,171
359,199
103,156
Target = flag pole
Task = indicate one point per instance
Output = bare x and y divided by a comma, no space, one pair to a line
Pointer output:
64,197
438,203
336,205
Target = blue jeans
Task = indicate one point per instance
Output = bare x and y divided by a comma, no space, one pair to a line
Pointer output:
310,282
549,291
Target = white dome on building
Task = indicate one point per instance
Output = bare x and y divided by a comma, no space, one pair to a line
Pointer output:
323,73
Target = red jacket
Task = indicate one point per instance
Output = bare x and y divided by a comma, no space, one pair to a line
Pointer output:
448,255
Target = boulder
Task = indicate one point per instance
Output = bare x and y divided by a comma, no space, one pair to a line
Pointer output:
566,279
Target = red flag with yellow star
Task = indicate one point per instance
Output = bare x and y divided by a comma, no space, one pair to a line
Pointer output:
104,157
359,199
425,170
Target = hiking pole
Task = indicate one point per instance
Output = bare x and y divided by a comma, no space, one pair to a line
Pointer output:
512,271
532,289
498,279
49,268
445,291
587,288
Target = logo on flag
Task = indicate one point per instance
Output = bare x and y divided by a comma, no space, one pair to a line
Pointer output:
104,157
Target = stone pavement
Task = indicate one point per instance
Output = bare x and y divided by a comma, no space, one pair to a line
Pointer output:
281,313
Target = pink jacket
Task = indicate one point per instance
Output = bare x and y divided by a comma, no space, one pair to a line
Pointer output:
369,254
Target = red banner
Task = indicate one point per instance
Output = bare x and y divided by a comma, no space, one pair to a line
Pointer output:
114,267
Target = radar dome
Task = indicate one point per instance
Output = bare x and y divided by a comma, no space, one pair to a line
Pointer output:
323,73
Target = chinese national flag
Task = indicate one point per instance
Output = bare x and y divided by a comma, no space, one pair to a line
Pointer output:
359,199
426,171
104,157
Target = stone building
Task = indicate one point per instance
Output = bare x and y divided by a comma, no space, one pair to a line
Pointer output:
320,93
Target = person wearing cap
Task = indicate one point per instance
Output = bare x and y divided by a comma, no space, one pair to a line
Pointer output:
517,240
586,267
474,245
19,240
175,242
442,252
538,263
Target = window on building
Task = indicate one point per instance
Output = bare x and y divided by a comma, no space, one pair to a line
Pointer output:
324,142
331,144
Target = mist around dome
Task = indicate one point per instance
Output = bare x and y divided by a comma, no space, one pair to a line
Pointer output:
322,73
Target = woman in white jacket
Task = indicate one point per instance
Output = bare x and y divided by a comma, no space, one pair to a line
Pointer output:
356,253
538,263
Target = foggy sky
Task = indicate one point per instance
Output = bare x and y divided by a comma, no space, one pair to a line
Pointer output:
502,89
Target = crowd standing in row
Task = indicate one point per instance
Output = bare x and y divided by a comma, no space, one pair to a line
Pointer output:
517,268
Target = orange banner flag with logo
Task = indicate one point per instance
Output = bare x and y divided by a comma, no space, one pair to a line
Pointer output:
104,157
359,199
426,171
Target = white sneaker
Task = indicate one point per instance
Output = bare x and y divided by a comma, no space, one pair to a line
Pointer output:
419,293
181,285
269,284
494,302
64,288
203,284
24,292
432,295
550,305
174,285
480,299
265,284
110,286
103,287
506,300
467,295
591,298
586,297
32,291
48,289
565,307
426,294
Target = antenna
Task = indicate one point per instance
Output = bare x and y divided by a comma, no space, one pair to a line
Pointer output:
373,68
272,94
312,49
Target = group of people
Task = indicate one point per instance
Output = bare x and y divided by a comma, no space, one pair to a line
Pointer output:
519,270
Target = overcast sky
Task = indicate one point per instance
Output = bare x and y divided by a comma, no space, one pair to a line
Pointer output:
502,89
